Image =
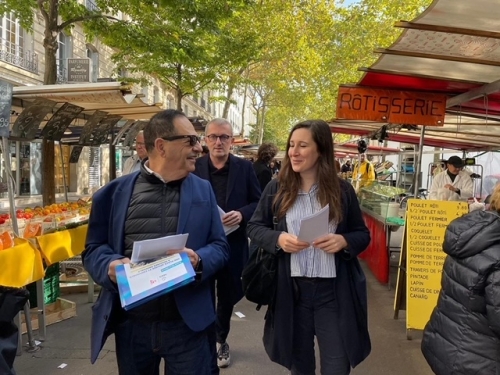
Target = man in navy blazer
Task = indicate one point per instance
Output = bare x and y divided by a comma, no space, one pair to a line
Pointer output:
162,199
237,191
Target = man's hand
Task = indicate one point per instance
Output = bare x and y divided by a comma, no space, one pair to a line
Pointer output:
194,258
112,268
290,243
451,187
331,243
232,218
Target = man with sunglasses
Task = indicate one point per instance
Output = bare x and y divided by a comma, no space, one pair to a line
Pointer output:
237,191
162,199
133,163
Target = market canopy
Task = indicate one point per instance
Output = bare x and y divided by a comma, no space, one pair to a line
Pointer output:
452,48
90,110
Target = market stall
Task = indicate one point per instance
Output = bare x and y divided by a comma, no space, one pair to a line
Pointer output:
36,237
422,93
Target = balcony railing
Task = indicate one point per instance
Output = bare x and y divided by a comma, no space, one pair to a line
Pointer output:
62,72
16,55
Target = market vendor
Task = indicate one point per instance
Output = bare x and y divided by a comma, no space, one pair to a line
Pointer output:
453,184
363,172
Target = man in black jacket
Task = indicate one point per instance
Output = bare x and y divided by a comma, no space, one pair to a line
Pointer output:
237,192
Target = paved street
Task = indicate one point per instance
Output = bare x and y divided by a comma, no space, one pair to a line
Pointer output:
68,342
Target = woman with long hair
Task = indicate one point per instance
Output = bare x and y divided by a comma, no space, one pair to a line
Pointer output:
320,287
463,333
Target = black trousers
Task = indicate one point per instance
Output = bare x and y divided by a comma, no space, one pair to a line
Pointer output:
12,301
316,314
224,287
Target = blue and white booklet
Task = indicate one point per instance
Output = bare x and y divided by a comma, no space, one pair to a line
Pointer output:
142,282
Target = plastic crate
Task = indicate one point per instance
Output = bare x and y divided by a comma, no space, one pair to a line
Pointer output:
51,287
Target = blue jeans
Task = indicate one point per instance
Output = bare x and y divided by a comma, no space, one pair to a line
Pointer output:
316,314
140,346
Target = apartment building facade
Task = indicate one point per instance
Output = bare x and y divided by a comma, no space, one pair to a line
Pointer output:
22,64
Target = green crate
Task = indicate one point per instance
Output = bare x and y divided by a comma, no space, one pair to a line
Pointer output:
51,287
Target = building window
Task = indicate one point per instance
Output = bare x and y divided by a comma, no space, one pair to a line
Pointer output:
170,103
93,55
145,92
14,44
186,110
156,94
64,52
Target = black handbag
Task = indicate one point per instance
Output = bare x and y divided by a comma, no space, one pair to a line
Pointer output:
259,276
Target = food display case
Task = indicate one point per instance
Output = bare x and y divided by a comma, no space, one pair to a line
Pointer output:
381,212
380,200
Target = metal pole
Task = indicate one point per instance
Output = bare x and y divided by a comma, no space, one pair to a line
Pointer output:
10,188
63,172
18,168
419,163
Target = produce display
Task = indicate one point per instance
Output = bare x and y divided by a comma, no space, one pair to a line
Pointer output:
385,190
38,220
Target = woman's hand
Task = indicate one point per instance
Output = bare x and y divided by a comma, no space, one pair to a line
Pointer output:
290,243
331,243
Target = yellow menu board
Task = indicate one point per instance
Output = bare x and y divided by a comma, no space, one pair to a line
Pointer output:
426,223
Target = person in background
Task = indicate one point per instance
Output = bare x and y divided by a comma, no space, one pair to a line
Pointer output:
204,150
266,153
363,172
453,184
347,167
463,333
133,163
321,288
337,166
237,190
163,199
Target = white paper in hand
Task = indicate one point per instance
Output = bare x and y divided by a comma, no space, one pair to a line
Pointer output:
227,230
314,226
151,249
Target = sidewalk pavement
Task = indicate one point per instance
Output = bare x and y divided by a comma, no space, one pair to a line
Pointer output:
68,342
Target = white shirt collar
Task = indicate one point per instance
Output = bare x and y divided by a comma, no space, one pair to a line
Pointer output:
146,165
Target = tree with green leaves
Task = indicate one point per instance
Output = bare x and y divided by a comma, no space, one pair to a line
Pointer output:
312,47
187,45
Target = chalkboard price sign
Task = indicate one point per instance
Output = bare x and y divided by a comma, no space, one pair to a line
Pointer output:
89,127
101,133
5,108
55,127
132,133
26,125
75,154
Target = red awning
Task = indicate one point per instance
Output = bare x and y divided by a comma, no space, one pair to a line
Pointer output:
452,48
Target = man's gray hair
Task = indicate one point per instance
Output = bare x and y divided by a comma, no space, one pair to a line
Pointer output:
219,122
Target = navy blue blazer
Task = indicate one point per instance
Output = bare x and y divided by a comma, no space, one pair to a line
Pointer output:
243,194
198,216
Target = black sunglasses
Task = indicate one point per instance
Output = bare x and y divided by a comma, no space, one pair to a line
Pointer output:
193,139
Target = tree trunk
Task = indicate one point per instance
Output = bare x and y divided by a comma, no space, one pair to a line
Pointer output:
243,110
48,173
50,78
262,118
227,103
179,96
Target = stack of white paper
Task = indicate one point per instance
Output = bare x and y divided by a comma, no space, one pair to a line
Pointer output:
227,230
150,249
314,226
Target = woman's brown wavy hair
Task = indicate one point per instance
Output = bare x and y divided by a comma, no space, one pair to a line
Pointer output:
328,182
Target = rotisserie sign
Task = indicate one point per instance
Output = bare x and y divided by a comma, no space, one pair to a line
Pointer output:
391,106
